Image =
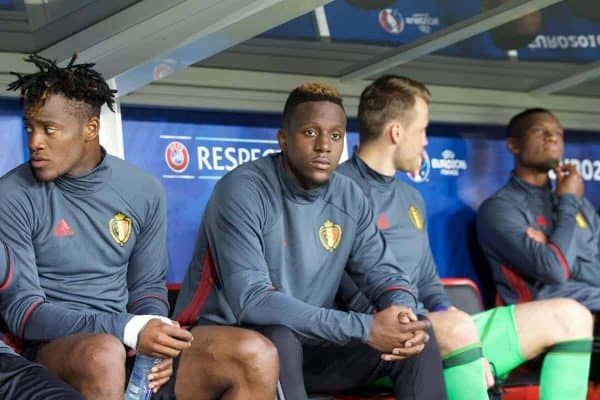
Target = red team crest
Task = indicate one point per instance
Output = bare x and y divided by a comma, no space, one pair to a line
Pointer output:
177,156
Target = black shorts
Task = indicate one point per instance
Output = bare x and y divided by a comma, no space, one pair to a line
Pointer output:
21,379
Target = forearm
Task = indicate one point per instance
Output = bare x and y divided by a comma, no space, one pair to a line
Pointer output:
334,326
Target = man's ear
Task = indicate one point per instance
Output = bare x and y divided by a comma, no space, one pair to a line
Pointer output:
91,129
395,132
512,144
282,139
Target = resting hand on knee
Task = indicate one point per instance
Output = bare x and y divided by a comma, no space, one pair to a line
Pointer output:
161,340
390,330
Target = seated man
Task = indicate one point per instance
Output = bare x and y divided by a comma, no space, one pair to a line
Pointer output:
392,116
541,243
276,236
21,379
89,235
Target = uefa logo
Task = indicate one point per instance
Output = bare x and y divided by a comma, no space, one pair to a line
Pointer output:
391,20
177,156
421,174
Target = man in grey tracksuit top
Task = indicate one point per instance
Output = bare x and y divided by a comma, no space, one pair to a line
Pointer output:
21,379
277,235
400,213
541,242
108,227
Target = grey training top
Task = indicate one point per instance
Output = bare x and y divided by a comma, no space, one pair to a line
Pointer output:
400,213
91,250
7,279
568,265
271,253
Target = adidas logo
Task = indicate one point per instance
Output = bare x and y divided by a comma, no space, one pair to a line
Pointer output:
63,229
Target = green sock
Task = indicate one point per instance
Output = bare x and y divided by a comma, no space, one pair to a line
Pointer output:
565,371
464,374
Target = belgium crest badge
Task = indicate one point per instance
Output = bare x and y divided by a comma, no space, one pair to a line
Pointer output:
415,217
120,227
330,235
580,219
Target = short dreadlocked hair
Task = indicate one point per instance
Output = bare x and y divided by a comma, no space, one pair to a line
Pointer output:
76,82
310,91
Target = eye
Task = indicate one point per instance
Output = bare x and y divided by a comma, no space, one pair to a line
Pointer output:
335,136
49,130
28,129
311,132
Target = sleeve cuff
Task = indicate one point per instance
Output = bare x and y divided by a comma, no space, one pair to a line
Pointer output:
400,297
135,325
569,203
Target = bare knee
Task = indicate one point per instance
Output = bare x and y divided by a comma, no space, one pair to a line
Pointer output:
257,356
571,319
99,359
453,329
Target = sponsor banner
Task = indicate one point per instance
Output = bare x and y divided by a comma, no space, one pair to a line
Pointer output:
564,36
13,142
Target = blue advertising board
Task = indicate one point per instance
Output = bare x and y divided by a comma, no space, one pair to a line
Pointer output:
564,35
13,144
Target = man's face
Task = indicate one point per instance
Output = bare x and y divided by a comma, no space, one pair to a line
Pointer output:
55,138
541,145
413,139
313,142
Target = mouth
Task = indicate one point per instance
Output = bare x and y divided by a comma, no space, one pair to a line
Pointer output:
321,163
39,162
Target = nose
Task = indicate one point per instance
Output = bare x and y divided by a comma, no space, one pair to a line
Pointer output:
323,143
35,141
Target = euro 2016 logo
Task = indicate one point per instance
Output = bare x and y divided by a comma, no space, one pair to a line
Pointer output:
177,157
391,20
421,174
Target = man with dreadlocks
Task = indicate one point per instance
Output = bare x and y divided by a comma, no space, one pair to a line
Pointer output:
276,237
89,235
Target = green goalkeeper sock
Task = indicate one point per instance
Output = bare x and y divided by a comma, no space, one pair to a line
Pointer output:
464,374
565,371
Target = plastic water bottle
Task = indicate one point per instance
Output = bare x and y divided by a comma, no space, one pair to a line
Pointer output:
137,389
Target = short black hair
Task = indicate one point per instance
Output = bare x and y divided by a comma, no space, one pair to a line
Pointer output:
310,91
387,98
77,82
515,128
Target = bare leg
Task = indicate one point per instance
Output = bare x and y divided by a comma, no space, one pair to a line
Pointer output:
453,329
227,363
92,364
541,324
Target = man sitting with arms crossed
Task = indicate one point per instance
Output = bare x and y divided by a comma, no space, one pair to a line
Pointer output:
541,243
21,379
393,115
89,235
276,236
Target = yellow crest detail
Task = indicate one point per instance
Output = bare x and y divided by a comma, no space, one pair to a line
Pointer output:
415,217
120,227
580,221
330,235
